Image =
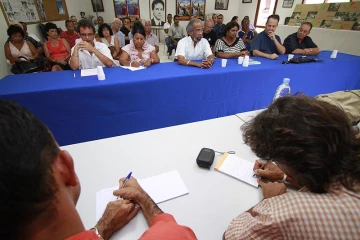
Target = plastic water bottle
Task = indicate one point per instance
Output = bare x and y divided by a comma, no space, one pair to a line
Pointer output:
283,90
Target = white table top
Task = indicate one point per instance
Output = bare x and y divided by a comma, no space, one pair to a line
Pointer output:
247,116
214,199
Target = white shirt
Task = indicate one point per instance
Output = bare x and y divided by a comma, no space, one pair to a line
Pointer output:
185,48
166,26
86,60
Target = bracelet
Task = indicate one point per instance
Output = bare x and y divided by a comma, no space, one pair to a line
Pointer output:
284,178
130,63
97,232
152,60
187,63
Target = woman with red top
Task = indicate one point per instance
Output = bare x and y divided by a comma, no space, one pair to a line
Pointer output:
56,49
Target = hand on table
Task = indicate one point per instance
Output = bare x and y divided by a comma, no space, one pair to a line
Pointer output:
135,64
206,63
117,214
273,56
272,189
147,63
268,170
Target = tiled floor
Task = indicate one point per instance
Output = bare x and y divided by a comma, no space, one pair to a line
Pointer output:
163,55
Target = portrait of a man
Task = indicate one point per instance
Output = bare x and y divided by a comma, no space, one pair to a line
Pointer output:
157,8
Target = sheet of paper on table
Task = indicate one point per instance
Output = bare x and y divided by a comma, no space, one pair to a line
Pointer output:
134,68
88,72
253,62
160,188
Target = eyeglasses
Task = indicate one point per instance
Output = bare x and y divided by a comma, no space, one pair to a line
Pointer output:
86,35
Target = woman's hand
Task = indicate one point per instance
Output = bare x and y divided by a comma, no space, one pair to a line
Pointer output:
134,64
147,63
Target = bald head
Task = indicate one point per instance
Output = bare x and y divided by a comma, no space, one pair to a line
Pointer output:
208,26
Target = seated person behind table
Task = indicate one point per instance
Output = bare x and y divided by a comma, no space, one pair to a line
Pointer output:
88,53
70,35
109,40
194,47
266,44
176,32
18,47
138,46
300,42
246,34
317,151
209,34
230,46
56,49
33,39
42,189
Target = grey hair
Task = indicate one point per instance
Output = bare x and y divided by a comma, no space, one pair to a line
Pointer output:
116,19
190,25
146,20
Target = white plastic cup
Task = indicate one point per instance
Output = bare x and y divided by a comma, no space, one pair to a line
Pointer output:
246,61
334,54
290,56
240,60
223,62
100,73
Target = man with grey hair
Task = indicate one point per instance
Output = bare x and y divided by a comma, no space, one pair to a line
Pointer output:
115,27
194,47
151,38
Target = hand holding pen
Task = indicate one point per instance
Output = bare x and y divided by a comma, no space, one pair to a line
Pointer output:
122,184
132,190
268,170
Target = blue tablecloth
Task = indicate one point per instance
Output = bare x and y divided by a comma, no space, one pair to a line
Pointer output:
82,108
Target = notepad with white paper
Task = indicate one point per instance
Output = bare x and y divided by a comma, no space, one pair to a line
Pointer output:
238,168
88,72
160,188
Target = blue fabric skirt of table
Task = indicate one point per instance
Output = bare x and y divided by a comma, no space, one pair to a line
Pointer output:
79,109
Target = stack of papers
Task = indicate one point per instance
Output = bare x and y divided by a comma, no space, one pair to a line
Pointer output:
134,68
160,188
253,62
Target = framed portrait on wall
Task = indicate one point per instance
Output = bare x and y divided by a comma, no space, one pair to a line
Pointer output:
133,8
121,8
157,12
265,9
246,1
183,9
221,4
97,5
288,3
198,9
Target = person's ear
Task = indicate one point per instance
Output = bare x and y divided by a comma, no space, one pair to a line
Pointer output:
65,167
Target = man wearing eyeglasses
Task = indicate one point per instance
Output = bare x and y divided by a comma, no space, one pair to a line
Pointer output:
209,34
89,53
300,42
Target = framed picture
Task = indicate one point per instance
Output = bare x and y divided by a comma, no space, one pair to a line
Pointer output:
288,3
265,8
221,4
133,8
183,9
246,1
157,10
198,9
121,8
97,5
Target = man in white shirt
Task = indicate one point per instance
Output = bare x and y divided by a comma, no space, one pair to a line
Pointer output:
167,25
151,38
194,47
89,53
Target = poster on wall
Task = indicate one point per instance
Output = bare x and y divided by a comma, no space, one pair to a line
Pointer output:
183,9
121,8
97,5
133,8
60,7
20,10
266,8
157,12
221,4
198,9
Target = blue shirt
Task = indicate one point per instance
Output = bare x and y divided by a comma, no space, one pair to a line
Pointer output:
121,38
249,36
264,44
219,30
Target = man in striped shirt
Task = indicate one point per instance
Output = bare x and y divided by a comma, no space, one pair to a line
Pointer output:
313,147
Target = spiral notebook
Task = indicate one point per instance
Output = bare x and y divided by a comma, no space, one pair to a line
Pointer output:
238,168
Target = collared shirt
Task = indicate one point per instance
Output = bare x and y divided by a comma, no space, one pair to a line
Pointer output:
156,22
177,31
152,39
301,215
264,44
167,26
86,60
70,37
121,38
210,37
185,48
291,43
219,30
163,226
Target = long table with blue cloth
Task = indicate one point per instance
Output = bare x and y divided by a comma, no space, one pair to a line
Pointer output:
79,109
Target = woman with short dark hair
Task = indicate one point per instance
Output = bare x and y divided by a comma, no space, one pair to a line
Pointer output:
18,49
109,40
56,49
138,52
230,46
246,34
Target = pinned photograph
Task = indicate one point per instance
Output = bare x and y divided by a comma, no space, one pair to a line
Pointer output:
121,8
311,15
296,15
221,4
334,7
157,12
356,26
97,5
198,9
134,8
60,7
299,22
326,23
183,9
288,3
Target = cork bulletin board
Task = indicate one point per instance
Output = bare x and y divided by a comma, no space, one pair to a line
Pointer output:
328,15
